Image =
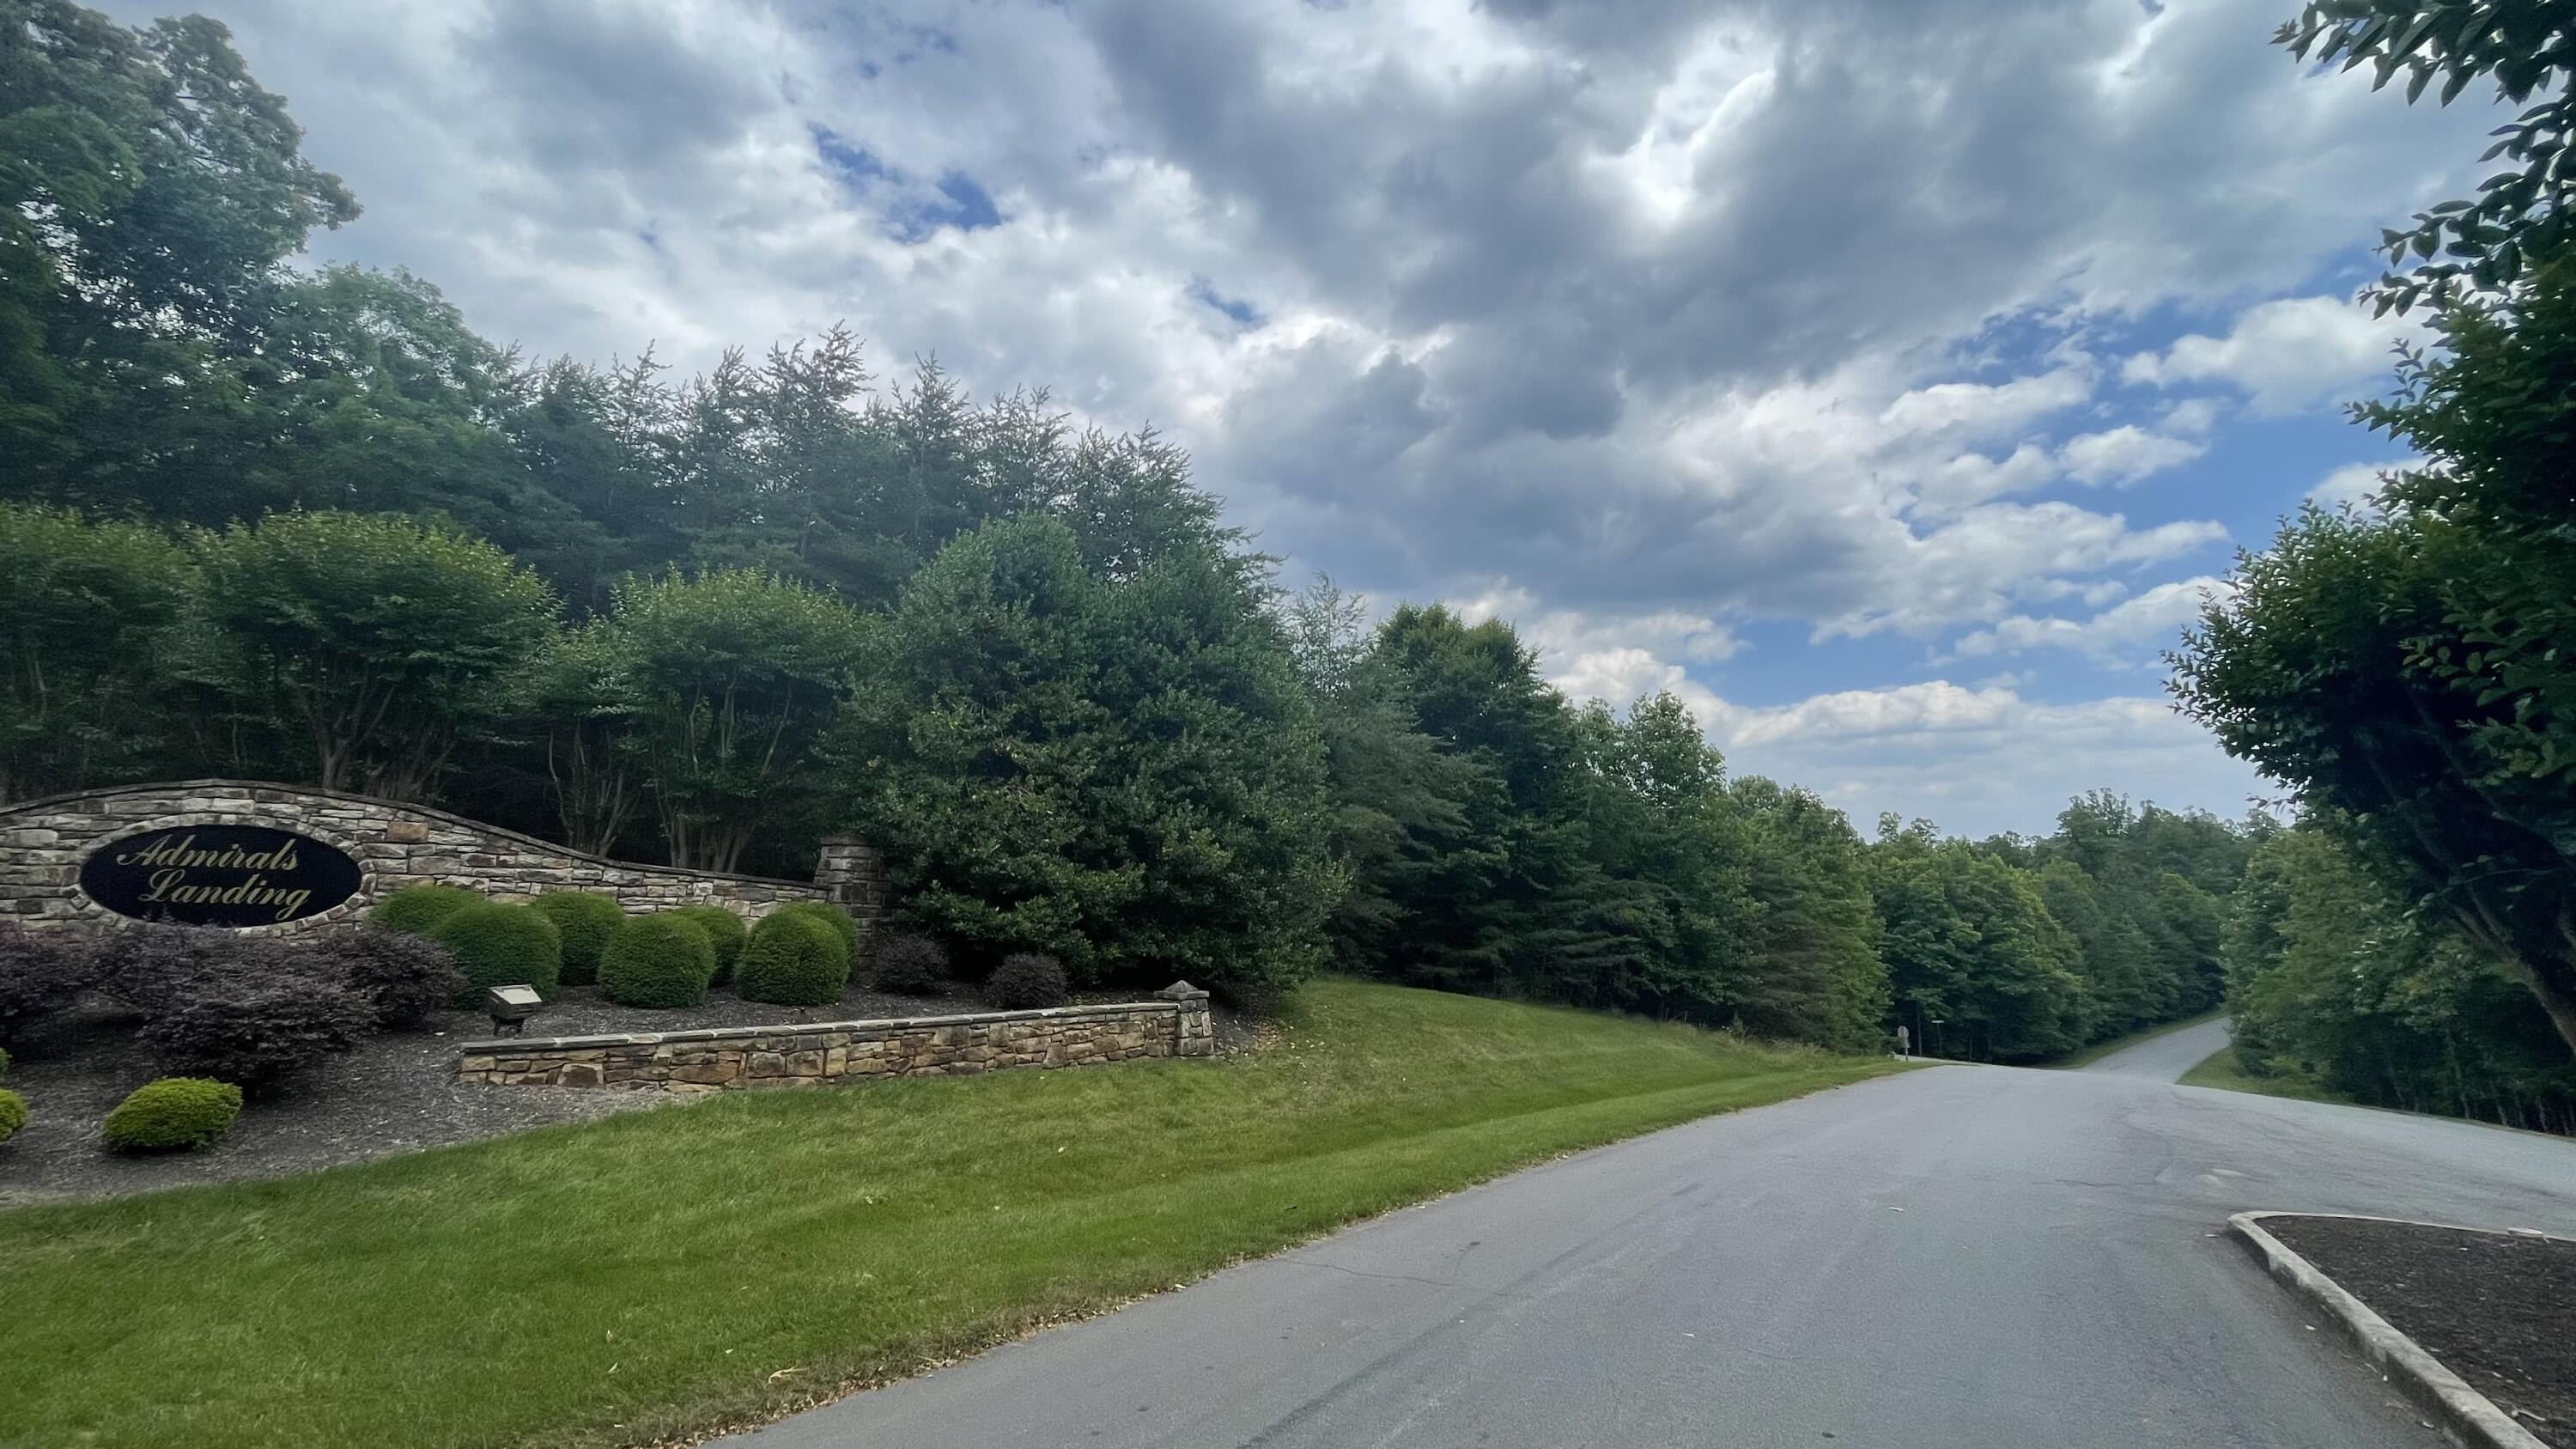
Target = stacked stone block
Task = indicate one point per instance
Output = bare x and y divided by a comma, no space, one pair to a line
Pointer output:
812,1055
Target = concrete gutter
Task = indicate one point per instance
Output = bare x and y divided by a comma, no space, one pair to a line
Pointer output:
2466,1417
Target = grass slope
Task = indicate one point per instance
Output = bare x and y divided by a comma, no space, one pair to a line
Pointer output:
2221,1070
2100,1049
665,1272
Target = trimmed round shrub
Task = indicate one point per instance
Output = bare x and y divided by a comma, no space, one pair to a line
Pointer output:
406,977
833,918
173,1115
41,972
1026,980
725,932
251,1031
500,945
586,920
13,1113
418,909
658,960
910,965
792,960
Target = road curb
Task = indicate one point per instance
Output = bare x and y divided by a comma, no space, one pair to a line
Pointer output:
2465,1416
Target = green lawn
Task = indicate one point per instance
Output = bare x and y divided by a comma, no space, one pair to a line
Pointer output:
2222,1070
663,1272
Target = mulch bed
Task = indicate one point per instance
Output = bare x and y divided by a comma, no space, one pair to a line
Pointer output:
2498,1309
396,1092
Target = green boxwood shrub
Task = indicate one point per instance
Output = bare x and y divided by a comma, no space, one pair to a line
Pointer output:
500,945
586,920
418,909
173,1114
658,960
910,965
725,931
1026,980
844,930
792,959
13,1113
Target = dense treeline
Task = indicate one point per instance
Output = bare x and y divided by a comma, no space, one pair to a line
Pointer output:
308,526
2332,979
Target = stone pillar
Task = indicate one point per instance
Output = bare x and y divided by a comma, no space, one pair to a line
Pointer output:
1197,1036
854,874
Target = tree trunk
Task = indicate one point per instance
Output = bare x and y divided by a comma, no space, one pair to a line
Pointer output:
2552,980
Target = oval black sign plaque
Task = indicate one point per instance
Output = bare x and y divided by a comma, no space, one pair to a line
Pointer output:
219,875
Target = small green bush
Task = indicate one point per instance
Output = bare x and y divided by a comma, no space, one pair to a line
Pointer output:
498,945
418,909
725,931
13,1113
658,960
1026,980
911,965
833,918
792,959
173,1114
586,920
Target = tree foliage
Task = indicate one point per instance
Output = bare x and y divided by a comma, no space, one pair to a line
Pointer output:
1977,964
2528,48
87,616
379,640
1119,771
2332,978
730,680
2407,671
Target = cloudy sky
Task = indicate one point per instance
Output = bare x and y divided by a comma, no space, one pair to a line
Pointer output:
1889,378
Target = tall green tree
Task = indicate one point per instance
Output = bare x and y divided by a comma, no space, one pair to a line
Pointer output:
2408,673
2331,977
88,619
1672,897
1514,912
1977,965
1122,771
730,680
1814,972
378,642
579,700
150,190
1399,797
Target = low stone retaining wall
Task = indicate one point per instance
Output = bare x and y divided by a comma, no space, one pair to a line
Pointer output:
813,1054
44,844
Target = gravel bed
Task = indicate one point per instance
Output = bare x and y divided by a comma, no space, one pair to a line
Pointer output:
396,1092
2494,1308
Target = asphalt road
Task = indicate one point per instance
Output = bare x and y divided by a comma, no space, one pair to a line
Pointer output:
2165,1058
1960,1257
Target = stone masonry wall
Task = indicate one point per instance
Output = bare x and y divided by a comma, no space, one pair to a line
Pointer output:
42,844
813,1055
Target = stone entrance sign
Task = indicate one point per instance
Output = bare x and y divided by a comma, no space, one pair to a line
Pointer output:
274,859
219,875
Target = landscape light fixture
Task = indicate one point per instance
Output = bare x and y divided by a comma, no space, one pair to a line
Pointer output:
511,1006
